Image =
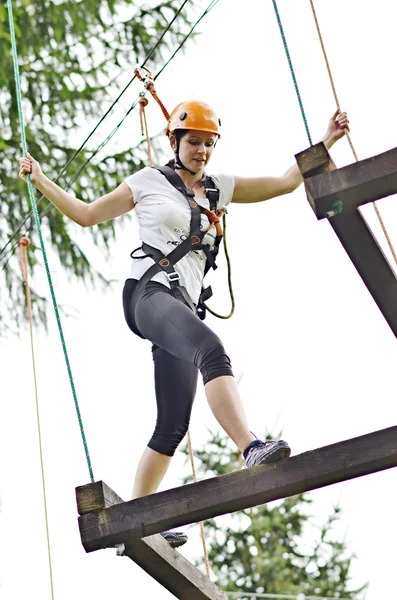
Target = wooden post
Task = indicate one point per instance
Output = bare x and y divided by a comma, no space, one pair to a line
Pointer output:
153,553
338,194
126,523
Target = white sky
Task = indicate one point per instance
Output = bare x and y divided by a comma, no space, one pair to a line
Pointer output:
316,355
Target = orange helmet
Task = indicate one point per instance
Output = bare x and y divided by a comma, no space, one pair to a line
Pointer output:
195,115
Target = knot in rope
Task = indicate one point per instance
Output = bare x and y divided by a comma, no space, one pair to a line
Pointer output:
23,257
215,219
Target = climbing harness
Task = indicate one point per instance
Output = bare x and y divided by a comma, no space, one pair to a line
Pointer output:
193,242
197,116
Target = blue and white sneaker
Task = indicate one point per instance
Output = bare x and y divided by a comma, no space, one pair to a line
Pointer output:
260,452
175,538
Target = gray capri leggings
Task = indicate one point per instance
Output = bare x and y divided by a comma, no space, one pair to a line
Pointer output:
182,346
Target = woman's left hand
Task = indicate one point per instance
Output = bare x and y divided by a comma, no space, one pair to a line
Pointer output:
337,126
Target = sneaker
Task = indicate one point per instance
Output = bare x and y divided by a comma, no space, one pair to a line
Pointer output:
264,452
175,538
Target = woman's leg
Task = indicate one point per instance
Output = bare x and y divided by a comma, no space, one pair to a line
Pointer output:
150,472
225,402
175,384
172,326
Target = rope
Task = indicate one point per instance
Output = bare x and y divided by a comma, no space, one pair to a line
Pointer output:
229,278
142,115
37,221
292,72
383,226
109,137
207,564
77,152
23,262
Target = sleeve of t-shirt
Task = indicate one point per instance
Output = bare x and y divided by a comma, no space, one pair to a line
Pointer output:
138,182
225,185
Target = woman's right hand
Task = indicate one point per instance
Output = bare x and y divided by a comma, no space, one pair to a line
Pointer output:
29,166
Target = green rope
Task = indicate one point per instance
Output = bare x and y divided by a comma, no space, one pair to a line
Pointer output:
292,72
37,221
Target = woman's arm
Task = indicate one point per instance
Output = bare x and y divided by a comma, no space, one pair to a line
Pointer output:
257,189
109,206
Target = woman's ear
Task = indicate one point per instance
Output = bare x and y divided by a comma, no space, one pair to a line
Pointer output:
173,143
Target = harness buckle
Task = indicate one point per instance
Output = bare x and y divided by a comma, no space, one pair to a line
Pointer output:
174,276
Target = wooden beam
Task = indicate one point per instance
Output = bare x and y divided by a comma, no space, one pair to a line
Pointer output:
172,570
352,186
371,263
153,554
316,160
191,503
338,194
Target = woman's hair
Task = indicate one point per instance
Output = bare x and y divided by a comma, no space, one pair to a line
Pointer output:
178,133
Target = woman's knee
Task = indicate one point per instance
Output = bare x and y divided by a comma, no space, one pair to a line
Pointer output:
213,361
167,441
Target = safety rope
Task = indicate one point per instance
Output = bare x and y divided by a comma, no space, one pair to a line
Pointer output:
292,72
109,110
23,263
142,115
383,226
229,278
37,221
50,207
206,560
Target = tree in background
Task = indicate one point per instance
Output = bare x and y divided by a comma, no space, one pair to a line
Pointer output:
70,54
263,549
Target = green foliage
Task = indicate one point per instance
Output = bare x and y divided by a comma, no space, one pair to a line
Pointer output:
266,549
69,54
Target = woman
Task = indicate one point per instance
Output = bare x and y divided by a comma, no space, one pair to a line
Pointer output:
163,312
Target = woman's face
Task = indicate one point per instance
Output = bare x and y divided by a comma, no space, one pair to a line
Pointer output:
195,149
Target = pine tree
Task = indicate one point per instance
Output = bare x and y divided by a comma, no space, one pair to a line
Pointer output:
266,549
70,52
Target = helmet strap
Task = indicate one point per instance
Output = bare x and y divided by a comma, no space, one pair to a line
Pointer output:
178,163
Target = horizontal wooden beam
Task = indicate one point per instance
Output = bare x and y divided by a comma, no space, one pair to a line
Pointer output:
125,523
349,187
153,554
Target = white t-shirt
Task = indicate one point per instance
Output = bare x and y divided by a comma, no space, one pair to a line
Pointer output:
164,222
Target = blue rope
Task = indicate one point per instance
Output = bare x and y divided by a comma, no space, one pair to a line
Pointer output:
292,72
37,221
